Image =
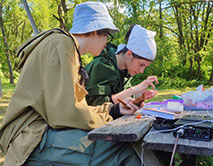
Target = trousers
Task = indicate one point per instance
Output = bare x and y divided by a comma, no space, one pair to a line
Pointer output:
71,147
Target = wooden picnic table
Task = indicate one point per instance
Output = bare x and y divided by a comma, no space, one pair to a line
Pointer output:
130,129
165,142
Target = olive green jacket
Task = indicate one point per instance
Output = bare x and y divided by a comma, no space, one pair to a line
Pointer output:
105,78
47,93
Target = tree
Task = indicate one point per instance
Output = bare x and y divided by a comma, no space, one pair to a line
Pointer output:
64,12
5,43
160,17
211,77
194,27
0,88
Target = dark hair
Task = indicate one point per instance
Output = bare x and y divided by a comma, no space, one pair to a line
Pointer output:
128,33
125,49
139,57
104,32
99,32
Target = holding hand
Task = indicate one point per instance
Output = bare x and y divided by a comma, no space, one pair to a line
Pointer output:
129,107
149,94
140,88
145,84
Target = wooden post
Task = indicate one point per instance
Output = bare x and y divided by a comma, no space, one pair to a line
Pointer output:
30,17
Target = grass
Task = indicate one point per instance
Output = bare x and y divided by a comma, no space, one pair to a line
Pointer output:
162,94
4,101
169,93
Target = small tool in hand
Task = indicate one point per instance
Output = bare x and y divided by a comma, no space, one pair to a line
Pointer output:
122,102
139,100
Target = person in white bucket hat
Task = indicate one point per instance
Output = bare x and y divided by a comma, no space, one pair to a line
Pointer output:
90,17
118,65
48,118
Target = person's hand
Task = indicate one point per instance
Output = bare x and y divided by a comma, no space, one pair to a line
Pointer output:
149,81
149,94
130,108
140,88
142,104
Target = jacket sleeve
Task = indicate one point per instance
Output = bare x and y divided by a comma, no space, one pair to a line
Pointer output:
102,78
94,100
64,96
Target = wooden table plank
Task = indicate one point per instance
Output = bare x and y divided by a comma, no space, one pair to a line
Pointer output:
127,128
165,142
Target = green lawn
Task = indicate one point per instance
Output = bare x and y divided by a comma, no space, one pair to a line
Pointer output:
3,106
4,101
162,94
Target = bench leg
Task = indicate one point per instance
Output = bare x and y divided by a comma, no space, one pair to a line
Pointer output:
149,158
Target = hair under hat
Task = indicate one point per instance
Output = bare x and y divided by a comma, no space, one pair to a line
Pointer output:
91,16
141,42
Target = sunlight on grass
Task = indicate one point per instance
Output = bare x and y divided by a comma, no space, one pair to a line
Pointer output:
4,101
1,159
3,104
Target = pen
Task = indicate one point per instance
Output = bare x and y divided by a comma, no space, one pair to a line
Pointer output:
137,101
122,102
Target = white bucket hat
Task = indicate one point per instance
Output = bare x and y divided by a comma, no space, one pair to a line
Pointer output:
91,16
141,42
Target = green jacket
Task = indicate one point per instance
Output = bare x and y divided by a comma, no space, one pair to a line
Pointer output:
105,78
47,93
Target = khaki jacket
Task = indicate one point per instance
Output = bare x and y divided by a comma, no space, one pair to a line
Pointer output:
47,93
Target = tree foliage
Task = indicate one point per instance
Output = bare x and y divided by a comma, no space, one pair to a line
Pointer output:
184,33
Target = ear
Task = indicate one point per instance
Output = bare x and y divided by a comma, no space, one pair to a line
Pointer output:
129,54
94,33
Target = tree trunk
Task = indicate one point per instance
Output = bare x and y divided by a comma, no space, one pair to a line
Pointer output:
211,77
191,66
5,44
160,13
0,88
198,68
178,17
62,11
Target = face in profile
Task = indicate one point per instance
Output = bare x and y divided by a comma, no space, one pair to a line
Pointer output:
135,65
98,43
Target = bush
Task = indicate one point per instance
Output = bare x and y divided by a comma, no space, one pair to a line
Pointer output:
170,82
